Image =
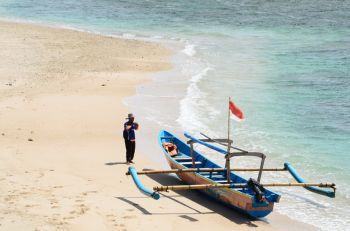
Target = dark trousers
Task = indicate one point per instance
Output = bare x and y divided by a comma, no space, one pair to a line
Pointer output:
130,149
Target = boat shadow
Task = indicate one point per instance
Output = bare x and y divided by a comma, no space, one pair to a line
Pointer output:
197,197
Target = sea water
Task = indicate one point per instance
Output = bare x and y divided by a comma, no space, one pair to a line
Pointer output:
286,64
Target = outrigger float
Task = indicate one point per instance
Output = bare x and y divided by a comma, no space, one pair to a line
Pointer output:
223,184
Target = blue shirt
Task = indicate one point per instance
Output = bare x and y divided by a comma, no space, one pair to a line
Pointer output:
129,134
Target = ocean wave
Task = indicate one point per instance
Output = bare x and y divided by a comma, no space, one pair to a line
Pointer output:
188,118
190,106
196,78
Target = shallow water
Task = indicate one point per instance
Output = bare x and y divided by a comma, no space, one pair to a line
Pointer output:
285,64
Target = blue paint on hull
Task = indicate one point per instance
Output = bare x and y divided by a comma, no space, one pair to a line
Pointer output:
252,214
215,194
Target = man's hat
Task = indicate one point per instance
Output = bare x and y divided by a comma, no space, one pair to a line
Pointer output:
130,115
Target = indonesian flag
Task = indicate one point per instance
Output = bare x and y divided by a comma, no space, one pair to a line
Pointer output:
236,113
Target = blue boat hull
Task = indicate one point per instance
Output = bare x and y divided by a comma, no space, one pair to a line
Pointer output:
242,200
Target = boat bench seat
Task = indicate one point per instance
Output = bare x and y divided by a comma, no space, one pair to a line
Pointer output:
182,158
221,181
208,173
189,164
214,177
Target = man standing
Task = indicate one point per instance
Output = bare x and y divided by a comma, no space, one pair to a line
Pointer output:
129,137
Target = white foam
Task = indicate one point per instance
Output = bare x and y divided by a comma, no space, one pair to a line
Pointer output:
128,35
196,78
189,50
157,37
188,117
190,105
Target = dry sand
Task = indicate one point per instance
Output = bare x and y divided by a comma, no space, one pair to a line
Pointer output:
61,149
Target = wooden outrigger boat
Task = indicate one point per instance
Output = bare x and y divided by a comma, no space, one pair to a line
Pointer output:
223,184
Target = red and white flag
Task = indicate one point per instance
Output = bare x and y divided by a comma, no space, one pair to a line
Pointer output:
236,113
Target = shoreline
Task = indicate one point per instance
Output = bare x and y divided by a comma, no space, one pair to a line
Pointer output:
74,125
275,220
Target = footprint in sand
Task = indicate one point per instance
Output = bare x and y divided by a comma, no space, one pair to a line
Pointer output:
54,203
111,217
82,209
9,198
87,192
91,191
41,174
56,219
59,186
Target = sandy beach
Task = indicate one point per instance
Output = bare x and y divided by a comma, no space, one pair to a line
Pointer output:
62,158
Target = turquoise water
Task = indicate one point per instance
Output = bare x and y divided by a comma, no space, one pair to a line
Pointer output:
286,64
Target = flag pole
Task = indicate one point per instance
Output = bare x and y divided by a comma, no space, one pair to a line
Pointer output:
228,119
227,164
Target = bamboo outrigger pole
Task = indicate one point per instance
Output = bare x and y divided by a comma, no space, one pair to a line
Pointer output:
208,186
148,172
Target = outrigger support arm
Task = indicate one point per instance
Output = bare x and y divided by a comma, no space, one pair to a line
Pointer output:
256,154
132,171
227,153
227,143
